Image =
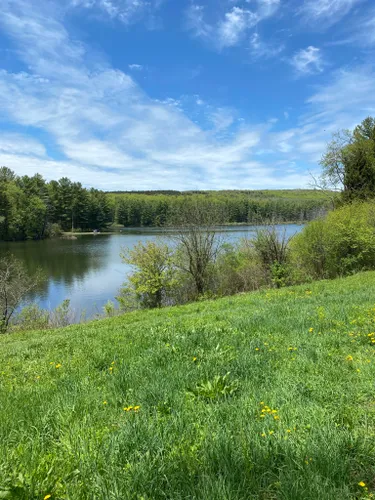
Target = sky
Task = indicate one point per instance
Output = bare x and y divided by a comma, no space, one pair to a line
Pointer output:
181,94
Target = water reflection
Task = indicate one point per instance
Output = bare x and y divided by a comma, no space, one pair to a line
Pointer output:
88,270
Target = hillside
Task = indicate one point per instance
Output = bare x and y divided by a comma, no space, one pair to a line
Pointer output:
141,406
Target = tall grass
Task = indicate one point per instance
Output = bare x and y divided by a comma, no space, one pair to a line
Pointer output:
268,395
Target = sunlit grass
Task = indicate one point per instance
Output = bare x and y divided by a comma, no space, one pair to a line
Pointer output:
267,395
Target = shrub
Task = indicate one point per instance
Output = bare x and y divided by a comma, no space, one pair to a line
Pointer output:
154,278
340,244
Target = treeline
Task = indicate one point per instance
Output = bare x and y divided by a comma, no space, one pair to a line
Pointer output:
31,208
240,207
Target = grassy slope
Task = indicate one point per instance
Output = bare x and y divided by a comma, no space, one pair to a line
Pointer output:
57,431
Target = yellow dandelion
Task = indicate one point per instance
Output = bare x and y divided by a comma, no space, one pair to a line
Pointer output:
276,417
361,484
270,433
288,430
257,348
263,434
262,416
58,365
311,330
47,497
105,402
262,403
194,359
349,358
136,408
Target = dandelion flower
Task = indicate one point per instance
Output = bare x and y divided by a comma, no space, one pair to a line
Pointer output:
58,365
105,402
362,484
311,330
47,497
349,358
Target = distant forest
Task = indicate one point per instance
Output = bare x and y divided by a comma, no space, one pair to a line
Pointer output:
32,208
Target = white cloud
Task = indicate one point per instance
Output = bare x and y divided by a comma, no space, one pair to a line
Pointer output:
323,13
306,61
231,26
126,11
135,67
11,143
263,50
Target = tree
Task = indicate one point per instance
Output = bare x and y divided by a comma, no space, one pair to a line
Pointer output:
154,277
195,231
15,285
349,161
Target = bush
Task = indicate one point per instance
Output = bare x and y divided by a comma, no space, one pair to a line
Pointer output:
343,243
152,283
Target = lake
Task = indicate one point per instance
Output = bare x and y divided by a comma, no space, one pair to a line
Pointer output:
89,270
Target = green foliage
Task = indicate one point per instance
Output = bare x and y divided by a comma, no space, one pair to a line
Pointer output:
31,208
305,353
154,278
236,207
217,388
349,161
340,244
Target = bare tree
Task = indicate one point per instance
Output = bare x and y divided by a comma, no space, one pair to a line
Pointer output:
15,285
195,231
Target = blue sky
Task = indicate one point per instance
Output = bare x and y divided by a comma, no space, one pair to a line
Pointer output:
181,94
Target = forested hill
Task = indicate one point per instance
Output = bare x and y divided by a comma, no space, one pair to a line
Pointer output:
32,208
149,208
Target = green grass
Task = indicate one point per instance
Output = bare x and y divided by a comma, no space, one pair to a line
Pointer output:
198,433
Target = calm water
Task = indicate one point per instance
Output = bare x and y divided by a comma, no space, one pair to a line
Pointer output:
88,270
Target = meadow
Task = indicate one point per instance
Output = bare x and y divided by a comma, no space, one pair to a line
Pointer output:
265,395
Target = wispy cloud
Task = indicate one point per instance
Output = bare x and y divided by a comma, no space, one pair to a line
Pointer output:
232,25
259,49
324,13
135,67
126,11
307,61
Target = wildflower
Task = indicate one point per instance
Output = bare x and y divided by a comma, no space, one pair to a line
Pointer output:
194,359
51,363
105,402
110,369
47,497
112,363
262,403
263,434
58,365
136,408
262,416
361,484
257,348
270,433
288,430
276,417
311,330
349,358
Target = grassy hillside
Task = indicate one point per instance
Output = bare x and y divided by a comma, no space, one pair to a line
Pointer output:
141,406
